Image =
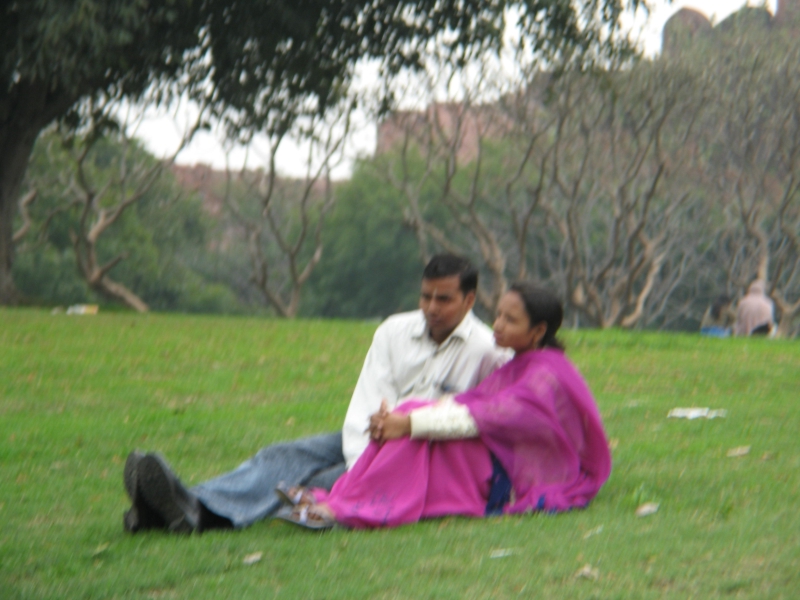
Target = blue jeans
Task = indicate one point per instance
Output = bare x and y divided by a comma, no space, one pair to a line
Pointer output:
247,494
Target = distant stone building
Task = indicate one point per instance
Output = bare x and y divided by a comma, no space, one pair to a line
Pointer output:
211,185
451,125
461,128
205,181
748,18
788,12
683,28
688,25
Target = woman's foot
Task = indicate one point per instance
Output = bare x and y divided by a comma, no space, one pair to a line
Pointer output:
311,516
295,495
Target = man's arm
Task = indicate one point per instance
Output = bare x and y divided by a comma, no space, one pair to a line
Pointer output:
375,383
444,420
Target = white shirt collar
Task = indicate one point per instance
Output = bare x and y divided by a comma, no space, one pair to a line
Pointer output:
461,332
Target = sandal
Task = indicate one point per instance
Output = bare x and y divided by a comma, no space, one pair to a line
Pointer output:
310,516
294,495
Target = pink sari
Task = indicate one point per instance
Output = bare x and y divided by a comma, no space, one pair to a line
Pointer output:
535,415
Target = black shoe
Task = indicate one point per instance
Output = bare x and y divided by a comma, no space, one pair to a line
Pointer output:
210,520
140,516
166,495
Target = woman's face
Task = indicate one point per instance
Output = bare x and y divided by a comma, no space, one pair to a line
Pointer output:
512,327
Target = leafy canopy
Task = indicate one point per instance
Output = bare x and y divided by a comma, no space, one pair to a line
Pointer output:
256,57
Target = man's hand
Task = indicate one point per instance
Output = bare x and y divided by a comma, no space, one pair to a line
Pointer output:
395,426
384,425
376,421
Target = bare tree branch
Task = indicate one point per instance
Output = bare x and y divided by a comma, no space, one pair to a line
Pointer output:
284,235
24,203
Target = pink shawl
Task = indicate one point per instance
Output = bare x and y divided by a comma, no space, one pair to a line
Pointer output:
538,417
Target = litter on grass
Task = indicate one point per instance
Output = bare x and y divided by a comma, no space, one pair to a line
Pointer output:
501,552
101,549
697,413
591,532
740,451
588,572
83,309
253,558
646,509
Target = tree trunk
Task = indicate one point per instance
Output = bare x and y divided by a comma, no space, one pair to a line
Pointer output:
15,150
24,111
117,291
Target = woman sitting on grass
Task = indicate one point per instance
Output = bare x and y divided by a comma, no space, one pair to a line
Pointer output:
528,438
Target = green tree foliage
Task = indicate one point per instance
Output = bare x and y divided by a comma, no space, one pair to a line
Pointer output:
748,164
371,264
256,64
163,237
640,193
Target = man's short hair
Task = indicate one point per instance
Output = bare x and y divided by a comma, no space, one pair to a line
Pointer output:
447,265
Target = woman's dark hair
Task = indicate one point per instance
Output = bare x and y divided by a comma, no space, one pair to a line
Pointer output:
541,305
720,303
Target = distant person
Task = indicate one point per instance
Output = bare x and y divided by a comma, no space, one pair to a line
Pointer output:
755,314
442,347
528,438
719,318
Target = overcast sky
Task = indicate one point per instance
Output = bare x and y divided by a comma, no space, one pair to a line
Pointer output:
162,134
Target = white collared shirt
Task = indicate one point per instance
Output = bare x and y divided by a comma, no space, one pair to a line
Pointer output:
404,362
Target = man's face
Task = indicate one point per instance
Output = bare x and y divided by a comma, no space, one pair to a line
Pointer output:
444,305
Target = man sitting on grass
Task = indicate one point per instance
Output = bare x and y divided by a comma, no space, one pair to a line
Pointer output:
755,314
440,348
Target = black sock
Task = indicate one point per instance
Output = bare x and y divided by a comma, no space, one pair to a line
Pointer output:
211,520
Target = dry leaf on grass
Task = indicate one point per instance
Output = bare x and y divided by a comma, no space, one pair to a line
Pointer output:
591,532
646,509
739,451
253,558
587,571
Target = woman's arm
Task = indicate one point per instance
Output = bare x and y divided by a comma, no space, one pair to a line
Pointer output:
445,420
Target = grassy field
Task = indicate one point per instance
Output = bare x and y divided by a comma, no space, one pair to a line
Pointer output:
78,393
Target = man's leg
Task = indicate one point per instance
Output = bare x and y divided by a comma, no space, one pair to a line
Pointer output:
247,494
325,479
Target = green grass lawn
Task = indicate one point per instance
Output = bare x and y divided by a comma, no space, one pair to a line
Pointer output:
78,393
